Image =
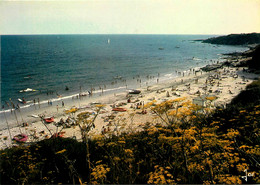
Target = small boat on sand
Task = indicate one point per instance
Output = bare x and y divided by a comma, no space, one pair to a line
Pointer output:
83,94
118,77
21,101
95,103
49,120
134,91
34,116
20,138
119,109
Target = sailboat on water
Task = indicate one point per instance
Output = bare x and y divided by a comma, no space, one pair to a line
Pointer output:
108,41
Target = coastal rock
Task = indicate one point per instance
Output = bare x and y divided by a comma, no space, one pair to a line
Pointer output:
249,58
235,39
211,67
241,62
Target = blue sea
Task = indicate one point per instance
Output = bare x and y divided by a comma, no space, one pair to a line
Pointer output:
112,63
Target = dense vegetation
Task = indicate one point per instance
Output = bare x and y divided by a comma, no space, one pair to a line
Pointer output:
255,62
235,39
189,144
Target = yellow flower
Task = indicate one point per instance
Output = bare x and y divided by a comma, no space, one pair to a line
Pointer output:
172,113
98,161
100,105
179,99
211,98
242,167
169,175
116,159
128,151
149,104
111,144
232,133
61,151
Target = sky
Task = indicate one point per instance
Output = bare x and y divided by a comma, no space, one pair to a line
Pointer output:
129,16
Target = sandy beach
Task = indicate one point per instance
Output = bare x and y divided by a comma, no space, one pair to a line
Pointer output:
224,83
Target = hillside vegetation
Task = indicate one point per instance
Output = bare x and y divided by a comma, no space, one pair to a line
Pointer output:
255,62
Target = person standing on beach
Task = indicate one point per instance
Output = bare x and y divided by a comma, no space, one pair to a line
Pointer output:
12,104
103,130
18,107
38,102
8,106
62,104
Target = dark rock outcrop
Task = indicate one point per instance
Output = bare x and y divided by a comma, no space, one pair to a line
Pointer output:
211,67
255,62
235,39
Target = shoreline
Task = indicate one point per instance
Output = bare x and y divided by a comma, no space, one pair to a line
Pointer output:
23,114
157,92
75,100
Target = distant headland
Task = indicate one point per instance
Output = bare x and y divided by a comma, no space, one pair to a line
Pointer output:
235,39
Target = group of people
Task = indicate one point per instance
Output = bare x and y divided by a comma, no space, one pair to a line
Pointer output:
13,106
49,102
138,105
67,123
104,130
